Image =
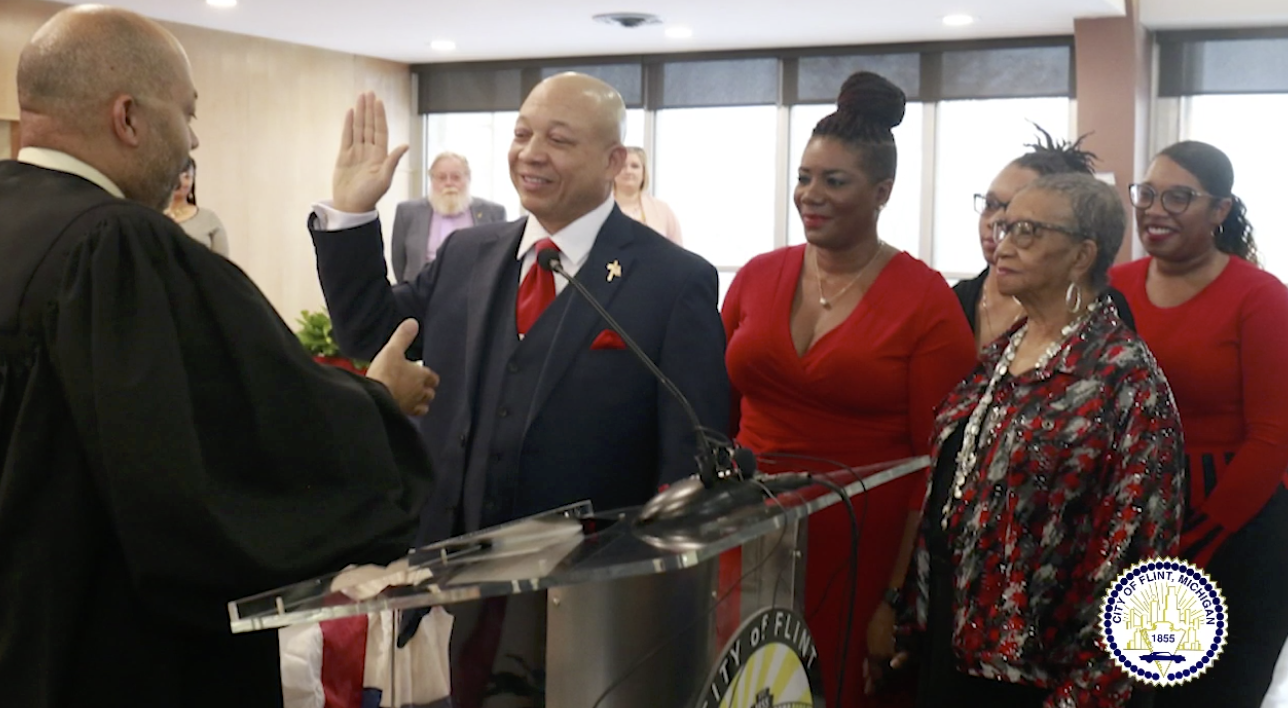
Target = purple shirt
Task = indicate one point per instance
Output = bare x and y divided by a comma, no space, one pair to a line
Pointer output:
441,226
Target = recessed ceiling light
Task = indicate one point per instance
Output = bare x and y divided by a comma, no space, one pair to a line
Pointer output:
958,20
679,32
629,20
222,3
443,45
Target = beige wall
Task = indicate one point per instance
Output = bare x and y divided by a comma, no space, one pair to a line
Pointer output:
268,117
1113,68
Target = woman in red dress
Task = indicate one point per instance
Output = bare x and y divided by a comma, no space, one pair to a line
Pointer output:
841,349
1218,326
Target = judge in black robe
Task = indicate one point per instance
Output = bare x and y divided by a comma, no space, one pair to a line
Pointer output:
167,446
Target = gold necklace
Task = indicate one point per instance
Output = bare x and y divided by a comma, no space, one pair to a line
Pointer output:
825,301
988,315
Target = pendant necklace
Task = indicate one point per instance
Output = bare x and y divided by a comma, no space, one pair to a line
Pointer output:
825,301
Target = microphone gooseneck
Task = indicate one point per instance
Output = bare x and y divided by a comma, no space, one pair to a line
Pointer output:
549,260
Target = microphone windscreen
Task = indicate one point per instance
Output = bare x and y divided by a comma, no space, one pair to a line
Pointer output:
547,258
744,461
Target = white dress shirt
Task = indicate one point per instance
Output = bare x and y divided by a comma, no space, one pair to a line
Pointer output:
574,240
62,162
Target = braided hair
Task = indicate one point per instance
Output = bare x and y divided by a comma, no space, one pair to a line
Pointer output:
1213,169
1048,156
867,110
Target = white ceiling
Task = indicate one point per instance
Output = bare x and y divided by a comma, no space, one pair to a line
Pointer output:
401,30
1187,14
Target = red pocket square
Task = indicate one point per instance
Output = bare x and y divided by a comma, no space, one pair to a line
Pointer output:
608,339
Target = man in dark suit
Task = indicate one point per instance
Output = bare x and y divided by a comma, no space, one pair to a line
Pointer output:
421,225
535,411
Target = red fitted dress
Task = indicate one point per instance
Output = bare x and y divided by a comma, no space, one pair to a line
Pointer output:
1225,354
864,393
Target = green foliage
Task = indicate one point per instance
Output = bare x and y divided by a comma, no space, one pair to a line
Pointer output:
315,334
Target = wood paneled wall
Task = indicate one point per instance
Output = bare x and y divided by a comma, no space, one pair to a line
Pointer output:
268,117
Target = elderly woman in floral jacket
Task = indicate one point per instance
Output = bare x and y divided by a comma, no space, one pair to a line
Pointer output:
1058,465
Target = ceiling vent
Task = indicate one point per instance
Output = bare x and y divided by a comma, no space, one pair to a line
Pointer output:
629,20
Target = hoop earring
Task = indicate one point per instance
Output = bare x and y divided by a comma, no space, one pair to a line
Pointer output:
1069,296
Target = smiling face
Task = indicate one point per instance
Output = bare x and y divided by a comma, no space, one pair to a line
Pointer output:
837,201
1000,193
1184,236
631,178
1043,269
567,149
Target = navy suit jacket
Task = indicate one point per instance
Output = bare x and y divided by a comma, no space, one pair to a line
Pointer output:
599,426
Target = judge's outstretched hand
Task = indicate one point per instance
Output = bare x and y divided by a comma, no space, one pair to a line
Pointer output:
365,167
411,384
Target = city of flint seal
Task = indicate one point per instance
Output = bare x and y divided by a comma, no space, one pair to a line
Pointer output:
1164,621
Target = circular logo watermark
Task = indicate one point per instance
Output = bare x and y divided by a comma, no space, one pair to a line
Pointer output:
1164,621
770,663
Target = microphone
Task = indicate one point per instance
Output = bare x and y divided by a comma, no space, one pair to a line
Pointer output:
708,469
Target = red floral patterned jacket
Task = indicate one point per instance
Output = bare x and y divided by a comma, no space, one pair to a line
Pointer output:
1082,478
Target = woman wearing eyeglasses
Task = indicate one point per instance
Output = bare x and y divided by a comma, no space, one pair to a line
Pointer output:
1219,327
1058,465
988,312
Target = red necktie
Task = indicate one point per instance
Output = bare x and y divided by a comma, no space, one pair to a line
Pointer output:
536,291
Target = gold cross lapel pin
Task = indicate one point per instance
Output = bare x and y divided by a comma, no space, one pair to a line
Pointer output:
614,270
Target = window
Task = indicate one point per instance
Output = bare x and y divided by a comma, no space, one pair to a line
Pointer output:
974,141
484,139
715,167
900,223
1246,128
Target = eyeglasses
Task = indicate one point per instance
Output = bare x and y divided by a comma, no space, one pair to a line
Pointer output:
1025,231
989,205
1175,200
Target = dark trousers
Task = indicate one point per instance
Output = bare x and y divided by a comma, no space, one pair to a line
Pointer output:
1251,569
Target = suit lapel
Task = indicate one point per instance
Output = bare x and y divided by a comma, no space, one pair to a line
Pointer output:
495,256
418,237
581,323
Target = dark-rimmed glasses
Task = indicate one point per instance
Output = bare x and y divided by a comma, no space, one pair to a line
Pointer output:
1025,231
985,204
1175,200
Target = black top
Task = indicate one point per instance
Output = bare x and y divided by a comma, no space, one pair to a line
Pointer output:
940,684
167,446
969,292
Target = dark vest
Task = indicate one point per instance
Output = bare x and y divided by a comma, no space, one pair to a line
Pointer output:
504,401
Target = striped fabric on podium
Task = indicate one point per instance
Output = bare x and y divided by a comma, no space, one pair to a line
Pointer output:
346,663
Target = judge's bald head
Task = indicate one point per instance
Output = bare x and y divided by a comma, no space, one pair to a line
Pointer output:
114,89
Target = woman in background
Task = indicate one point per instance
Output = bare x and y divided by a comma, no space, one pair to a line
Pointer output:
201,224
629,191
1218,325
988,312
841,349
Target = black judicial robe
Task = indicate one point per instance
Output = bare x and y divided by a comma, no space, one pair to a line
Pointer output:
167,446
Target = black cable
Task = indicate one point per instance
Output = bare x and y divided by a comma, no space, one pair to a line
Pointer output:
856,531
831,579
714,606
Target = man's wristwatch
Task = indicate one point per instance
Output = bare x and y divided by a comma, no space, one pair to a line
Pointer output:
891,597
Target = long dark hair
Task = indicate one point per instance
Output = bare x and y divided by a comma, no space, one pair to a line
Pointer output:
867,110
1213,169
192,193
1048,156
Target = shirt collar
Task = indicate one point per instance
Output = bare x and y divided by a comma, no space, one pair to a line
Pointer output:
62,162
574,240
